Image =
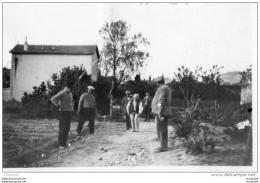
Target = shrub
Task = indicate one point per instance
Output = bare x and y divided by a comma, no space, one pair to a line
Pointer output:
38,105
12,106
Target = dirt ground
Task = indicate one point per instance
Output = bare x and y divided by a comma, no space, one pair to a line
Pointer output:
112,145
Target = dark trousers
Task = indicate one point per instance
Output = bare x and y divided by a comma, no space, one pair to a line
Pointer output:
86,114
127,121
147,111
162,131
64,127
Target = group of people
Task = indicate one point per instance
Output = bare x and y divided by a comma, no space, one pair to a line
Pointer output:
87,110
132,107
159,105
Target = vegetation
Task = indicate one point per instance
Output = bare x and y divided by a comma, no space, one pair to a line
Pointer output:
121,54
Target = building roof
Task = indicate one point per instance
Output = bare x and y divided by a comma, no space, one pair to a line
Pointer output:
56,49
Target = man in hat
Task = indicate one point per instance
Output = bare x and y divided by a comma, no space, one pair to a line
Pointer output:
64,101
161,107
87,110
125,101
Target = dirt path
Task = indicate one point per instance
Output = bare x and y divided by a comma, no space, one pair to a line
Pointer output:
112,145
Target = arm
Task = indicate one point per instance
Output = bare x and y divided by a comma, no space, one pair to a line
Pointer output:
95,107
128,107
141,108
80,104
55,99
161,101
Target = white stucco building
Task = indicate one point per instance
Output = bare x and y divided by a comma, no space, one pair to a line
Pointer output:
32,64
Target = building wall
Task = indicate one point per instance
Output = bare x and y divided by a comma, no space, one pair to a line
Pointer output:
94,67
33,69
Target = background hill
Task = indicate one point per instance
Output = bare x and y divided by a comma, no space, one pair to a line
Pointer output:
231,77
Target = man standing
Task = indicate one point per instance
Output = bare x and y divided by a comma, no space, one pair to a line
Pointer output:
87,110
147,106
161,108
125,101
64,101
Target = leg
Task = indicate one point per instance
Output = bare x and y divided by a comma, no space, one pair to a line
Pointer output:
91,122
145,112
67,127
136,122
64,127
148,113
132,121
157,122
164,135
127,121
82,119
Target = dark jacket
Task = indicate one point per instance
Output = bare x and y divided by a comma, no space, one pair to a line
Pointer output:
125,101
134,109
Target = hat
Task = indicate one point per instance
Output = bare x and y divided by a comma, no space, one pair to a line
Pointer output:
158,79
127,92
91,88
136,96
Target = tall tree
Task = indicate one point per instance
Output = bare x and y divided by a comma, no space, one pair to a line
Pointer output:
121,55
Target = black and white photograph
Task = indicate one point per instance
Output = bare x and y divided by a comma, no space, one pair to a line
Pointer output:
130,87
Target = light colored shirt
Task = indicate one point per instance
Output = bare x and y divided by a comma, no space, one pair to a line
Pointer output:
64,99
87,101
162,98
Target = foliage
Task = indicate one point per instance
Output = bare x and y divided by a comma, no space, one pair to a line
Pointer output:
138,86
246,76
194,86
12,106
6,77
121,54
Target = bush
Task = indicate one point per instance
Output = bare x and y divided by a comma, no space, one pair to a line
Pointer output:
12,106
38,105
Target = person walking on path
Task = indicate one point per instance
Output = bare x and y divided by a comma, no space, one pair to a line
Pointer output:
147,106
125,101
87,110
161,107
64,101
134,109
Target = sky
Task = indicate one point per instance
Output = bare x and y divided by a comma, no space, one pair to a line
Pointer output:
189,34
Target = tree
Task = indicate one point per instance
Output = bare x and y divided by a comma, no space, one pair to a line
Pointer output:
121,55
194,86
246,77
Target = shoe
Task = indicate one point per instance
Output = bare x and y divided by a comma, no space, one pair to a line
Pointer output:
133,130
160,150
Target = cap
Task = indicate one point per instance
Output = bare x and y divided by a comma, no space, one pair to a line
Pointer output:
127,92
158,79
91,88
136,96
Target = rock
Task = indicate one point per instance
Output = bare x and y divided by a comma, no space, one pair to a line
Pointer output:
101,148
132,153
69,144
100,158
105,150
